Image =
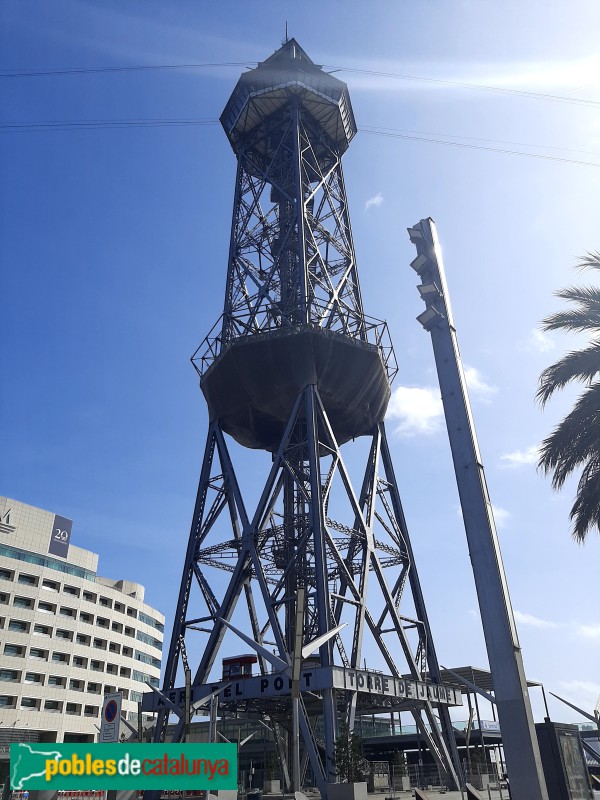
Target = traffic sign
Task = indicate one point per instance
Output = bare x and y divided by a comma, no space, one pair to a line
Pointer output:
110,723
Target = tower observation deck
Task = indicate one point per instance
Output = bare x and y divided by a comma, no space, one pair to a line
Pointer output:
293,312
320,577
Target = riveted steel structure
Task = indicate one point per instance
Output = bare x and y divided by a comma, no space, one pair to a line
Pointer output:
295,367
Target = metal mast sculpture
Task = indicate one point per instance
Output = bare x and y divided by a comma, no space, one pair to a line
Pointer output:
294,367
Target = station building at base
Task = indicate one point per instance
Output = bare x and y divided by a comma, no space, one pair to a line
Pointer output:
67,635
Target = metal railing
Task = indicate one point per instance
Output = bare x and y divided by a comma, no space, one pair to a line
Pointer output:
376,331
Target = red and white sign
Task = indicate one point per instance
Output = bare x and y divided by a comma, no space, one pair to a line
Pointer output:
110,723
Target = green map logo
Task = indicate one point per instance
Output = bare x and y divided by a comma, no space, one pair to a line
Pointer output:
93,767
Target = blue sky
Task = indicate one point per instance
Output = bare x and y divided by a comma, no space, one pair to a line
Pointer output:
114,244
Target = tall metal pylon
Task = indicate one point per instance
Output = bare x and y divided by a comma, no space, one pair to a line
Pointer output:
294,367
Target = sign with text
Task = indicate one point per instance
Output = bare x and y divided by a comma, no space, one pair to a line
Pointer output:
94,767
61,536
314,680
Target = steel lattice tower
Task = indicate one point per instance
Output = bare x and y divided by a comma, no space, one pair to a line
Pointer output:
296,368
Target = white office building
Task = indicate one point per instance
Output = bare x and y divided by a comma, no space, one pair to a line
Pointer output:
67,636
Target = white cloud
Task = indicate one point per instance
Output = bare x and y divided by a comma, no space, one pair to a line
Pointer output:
541,341
416,410
537,342
520,457
589,631
376,201
477,386
501,515
534,622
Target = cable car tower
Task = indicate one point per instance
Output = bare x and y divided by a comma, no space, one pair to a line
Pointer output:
322,584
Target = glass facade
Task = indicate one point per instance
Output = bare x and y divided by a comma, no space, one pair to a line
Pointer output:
44,561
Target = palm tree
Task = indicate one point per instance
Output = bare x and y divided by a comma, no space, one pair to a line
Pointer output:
575,442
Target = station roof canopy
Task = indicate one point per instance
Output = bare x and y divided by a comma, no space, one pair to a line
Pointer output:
482,678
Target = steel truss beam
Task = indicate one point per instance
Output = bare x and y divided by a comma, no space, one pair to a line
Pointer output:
266,286
289,542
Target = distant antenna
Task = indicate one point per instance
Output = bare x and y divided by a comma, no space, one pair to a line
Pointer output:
286,33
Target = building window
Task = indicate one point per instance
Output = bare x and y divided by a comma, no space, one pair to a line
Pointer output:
73,708
91,598
36,653
127,651
143,678
42,630
13,650
9,675
27,580
6,575
83,639
120,607
60,633
71,590
68,612
151,621
131,612
77,686
33,677
144,637
49,563
97,666
102,622
129,632
116,626
29,702
18,626
63,658
46,608
100,643
88,618
52,706
6,701
78,661
93,688
23,602
114,648
51,586
56,680
104,601
146,659
90,711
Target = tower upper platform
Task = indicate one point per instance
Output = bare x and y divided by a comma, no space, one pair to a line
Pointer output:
293,312
289,72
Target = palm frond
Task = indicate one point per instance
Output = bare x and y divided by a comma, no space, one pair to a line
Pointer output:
585,512
589,261
576,319
588,297
580,365
575,440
